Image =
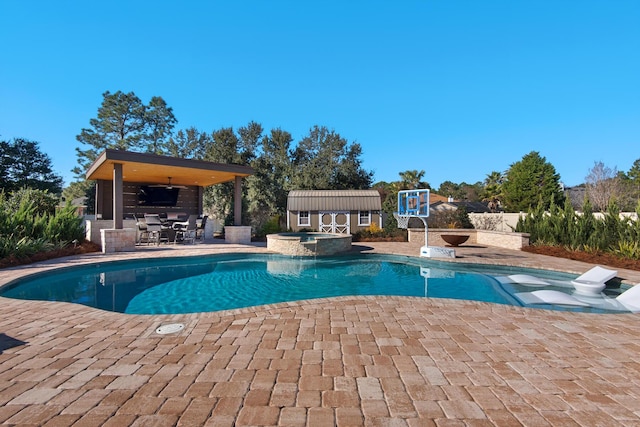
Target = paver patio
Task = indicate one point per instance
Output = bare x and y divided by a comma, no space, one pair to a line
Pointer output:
348,361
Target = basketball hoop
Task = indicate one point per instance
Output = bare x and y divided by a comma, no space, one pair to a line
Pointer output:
403,220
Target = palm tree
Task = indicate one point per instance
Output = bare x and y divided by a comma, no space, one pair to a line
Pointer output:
492,191
410,180
494,178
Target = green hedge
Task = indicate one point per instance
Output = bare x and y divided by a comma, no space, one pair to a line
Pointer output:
583,232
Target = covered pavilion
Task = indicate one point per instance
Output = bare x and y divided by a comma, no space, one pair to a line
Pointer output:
121,175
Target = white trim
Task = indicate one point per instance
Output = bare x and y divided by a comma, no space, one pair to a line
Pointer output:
308,224
333,226
362,224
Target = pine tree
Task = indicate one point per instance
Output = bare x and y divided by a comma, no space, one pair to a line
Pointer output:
529,182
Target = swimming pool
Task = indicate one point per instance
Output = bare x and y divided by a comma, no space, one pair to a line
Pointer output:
221,282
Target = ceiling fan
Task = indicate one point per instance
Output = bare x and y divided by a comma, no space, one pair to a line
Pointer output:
168,186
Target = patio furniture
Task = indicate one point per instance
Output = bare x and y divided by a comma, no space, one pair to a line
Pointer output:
158,232
523,279
628,300
177,216
548,296
200,226
590,283
593,281
142,232
185,231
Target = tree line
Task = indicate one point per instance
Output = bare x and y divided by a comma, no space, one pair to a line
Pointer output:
533,182
23,165
322,159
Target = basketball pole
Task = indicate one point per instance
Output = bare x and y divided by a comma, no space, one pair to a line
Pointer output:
426,231
416,203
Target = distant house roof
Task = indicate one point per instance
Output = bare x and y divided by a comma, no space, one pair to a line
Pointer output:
471,207
80,201
334,200
434,198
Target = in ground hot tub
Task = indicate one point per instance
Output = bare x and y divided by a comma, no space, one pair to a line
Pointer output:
309,243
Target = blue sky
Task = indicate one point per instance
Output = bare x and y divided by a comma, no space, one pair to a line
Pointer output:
455,88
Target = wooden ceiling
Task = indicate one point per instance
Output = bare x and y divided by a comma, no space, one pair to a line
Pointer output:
148,168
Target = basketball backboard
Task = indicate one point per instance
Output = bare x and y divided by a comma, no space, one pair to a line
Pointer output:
413,203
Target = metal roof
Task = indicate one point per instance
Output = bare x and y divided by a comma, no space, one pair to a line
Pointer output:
334,200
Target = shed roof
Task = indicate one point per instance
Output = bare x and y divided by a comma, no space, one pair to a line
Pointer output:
334,200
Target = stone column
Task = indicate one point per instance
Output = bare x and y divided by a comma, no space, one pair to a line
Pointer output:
117,196
237,202
237,233
120,240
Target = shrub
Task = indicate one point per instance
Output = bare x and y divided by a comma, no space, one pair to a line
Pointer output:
374,229
627,249
271,226
458,218
23,247
375,233
64,226
43,202
28,226
583,232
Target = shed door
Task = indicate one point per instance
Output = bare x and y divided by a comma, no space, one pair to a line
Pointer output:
335,222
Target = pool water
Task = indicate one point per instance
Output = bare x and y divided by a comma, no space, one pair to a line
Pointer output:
308,237
220,282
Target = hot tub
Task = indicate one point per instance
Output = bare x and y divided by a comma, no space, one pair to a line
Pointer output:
308,243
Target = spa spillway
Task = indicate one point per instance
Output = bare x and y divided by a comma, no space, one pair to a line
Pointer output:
308,243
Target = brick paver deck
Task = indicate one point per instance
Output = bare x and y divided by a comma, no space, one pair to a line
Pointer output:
349,361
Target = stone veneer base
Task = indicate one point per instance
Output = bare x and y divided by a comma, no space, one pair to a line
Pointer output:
118,240
320,244
237,234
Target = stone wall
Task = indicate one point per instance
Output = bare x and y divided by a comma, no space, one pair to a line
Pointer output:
499,221
292,245
237,234
94,227
503,221
507,240
118,240
503,240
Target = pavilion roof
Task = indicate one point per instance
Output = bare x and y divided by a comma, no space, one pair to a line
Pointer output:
150,168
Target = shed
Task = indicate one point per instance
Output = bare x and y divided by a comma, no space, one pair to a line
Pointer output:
333,211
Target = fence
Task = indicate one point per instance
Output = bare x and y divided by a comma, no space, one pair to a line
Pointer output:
506,222
500,221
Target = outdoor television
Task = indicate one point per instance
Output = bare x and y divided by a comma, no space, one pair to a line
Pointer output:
157,196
